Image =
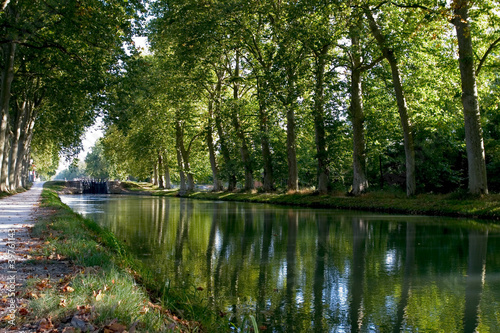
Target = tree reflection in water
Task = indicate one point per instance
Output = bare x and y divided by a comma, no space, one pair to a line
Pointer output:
304,270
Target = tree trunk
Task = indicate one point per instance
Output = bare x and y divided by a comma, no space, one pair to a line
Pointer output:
473,132
9,52
226,155
268,178
166,169
180,162
14,151
211,150
319,122
24,146
159,172
360,182
26,167
401,102
186,165
4,173
155,173
244,151
293,174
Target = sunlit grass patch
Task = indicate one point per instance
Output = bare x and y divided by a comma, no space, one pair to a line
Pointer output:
95,296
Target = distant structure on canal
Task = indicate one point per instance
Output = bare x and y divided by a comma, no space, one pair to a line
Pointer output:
94,187
91,186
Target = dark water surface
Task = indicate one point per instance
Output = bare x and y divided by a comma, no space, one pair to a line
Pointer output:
315,270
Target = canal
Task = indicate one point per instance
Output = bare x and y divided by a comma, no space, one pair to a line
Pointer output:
314,270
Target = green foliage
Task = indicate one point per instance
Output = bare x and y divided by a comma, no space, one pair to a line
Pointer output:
191,79
76,170
96,165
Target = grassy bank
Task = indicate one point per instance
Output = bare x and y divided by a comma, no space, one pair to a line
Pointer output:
453,205
107,286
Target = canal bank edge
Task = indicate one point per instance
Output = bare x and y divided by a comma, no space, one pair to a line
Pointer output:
452,205
459,204
102,288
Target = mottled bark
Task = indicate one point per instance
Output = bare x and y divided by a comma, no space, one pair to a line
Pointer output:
244,150
473,132
180,162
319,121
293,173
187,166
211,150
360,182
4,168
401,102
24,148
291,142
155,173
226,155
268,178
166,172
18,125
9,51
161,184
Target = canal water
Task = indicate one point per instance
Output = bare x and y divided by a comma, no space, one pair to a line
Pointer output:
314,270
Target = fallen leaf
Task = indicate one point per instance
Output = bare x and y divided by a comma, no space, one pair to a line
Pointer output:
31,295
23,312
114,328
63,303
99,296
45,324
44,284
67,289
84,309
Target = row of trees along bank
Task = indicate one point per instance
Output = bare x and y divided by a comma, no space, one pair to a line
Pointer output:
312,92
55,58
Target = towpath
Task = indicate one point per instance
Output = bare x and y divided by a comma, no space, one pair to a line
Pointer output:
18,214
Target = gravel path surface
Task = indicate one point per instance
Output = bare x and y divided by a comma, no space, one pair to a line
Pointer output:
18,214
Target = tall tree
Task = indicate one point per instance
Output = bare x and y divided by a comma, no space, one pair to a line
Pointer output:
389,54
473,131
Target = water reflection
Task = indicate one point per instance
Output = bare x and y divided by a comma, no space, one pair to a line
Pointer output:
302,270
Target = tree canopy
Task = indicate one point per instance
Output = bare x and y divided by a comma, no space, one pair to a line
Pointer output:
332,96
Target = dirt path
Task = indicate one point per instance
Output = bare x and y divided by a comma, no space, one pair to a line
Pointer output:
18,214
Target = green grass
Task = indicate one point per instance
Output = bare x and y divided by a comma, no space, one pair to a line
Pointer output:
111,283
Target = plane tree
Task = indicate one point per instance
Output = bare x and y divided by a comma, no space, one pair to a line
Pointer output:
42,43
